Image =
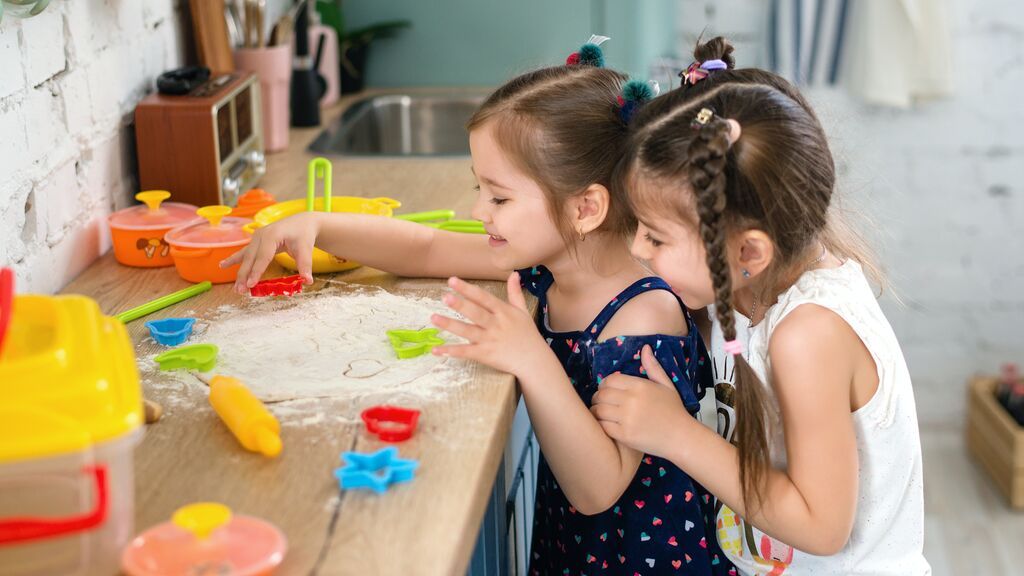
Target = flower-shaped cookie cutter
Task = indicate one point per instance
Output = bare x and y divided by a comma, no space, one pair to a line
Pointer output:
391,423
413,343
375,471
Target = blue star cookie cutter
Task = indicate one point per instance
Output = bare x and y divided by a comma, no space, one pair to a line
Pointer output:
376,471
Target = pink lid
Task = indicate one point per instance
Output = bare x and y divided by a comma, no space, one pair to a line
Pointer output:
235,545
154,214
215,230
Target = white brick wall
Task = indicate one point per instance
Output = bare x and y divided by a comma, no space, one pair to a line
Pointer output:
944,185
69,81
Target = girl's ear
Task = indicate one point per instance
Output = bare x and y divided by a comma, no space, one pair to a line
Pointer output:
751,251
588,209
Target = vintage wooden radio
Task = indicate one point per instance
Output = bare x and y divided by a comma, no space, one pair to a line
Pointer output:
204,147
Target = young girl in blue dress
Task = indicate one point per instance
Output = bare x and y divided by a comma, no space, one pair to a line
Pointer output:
543,149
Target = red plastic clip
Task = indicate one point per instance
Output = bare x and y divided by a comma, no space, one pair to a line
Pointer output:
391,423
285,286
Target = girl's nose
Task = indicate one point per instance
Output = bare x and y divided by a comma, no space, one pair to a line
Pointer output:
480,211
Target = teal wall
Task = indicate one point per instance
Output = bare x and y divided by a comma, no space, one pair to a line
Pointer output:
485,42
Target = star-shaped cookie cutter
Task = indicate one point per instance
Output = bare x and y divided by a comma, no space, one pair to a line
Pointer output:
376,471
413,343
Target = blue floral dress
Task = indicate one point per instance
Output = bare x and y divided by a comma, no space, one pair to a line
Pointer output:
663,522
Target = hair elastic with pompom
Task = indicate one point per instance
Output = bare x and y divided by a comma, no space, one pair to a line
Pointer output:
589,54
635,93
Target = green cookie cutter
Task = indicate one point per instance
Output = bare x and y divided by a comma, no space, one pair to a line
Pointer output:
202,357
413,343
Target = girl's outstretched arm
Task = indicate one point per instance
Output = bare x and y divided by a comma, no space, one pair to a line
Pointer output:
389,244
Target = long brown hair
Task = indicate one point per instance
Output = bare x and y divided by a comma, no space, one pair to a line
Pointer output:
778,177
561,126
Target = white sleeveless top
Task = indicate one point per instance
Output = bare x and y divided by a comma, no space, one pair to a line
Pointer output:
888,530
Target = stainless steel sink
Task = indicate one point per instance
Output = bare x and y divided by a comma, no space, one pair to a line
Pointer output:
428,124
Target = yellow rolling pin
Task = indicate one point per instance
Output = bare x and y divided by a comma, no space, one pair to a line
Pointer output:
248,419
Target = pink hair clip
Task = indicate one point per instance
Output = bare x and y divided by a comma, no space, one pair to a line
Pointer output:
701,70
733,347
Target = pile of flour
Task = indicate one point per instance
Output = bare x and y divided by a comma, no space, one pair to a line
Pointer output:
323,345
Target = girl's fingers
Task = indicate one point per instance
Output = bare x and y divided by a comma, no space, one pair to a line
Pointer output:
468,309
470,332
247,256
303,255
264,254
231,260
609,396
605,413
467,351
475,294
515,292
617,381
655,372
612,429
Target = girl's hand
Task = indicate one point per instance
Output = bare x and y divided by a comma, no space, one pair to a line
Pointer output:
639,412
294,235
501,334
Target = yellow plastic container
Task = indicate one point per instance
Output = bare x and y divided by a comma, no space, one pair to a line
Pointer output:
322,261
69,421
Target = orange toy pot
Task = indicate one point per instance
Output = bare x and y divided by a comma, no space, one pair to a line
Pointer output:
198,247
138,232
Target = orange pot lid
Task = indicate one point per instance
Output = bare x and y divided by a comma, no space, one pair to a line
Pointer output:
206,538
154,213
216,230
252,202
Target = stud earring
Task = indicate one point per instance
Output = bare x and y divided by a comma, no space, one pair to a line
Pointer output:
746,273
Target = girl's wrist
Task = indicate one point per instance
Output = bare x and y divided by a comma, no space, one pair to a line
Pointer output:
678,441
541,369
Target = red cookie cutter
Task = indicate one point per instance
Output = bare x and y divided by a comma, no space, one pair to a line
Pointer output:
285,286
391,423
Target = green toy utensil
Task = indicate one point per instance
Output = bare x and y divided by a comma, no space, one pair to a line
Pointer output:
319,168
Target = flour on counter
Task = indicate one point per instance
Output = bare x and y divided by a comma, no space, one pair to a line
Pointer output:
323,345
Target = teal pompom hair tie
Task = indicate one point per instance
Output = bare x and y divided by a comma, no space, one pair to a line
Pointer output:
590,54
634,94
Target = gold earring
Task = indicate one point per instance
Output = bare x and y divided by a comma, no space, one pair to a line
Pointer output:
582,235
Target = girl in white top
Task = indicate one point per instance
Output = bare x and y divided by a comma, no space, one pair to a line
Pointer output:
820,472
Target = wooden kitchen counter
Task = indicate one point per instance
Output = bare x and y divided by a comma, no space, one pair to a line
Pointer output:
427,526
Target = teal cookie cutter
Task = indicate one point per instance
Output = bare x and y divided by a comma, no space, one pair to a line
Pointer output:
413,343
202,357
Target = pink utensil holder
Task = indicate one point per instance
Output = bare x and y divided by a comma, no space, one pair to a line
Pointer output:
273,67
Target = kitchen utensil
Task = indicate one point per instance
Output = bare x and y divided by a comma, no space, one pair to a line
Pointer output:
163,302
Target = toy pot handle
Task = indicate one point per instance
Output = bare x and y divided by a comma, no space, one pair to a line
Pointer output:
179,253
24,529
319,168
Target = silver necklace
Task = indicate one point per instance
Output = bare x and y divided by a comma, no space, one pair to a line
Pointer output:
753,306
